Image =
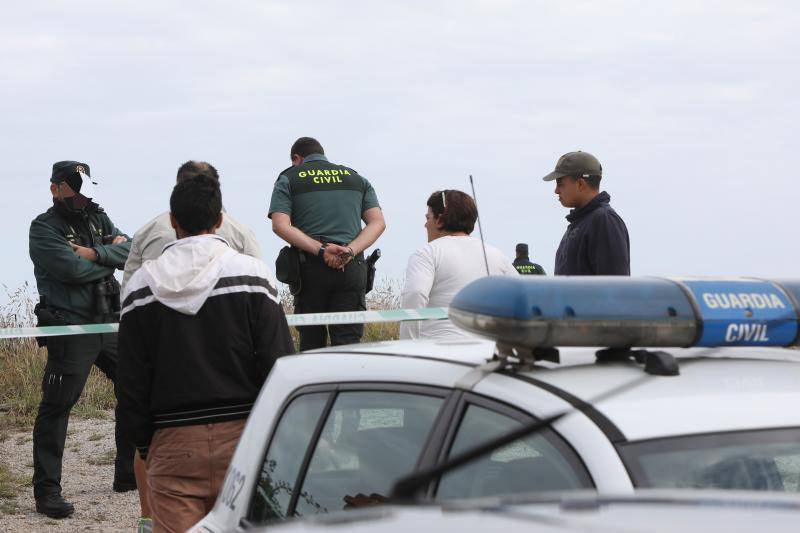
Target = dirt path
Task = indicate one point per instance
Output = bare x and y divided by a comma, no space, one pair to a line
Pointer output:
87,477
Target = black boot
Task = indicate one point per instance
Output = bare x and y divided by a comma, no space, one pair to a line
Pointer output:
54,506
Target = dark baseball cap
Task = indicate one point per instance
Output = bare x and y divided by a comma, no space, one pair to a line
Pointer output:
72,172
63,169
522,248
576,164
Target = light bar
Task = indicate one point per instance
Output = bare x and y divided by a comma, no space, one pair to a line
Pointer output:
622,312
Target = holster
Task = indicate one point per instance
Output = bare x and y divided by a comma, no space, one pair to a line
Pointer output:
287,268
371,260
46,316
106,294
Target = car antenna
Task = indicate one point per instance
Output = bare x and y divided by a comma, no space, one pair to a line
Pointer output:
480,228
407,487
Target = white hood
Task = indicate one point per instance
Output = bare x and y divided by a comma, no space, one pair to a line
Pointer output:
187,271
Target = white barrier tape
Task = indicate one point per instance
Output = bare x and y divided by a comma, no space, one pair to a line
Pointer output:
308,319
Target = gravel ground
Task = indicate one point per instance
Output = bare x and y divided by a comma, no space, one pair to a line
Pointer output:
86,481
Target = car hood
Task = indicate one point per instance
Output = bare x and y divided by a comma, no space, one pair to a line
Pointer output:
651,511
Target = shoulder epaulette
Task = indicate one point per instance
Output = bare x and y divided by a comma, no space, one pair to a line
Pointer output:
47,215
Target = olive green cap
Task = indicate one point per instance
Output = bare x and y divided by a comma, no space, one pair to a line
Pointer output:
576,164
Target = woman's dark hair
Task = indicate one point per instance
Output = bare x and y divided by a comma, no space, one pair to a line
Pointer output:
456,209
196,204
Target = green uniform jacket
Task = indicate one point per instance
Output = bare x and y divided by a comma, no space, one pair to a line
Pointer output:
64,278
525,267
324,200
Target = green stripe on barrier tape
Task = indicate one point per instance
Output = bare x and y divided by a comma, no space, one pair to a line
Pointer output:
308,319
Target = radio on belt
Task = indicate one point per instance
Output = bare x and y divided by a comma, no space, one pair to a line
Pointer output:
622,312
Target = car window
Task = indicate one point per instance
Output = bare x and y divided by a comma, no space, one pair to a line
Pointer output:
748,460
539,462
285,456
370,440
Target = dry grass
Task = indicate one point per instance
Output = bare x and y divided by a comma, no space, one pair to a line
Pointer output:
22,367
384,295
105,458
7,483
10,486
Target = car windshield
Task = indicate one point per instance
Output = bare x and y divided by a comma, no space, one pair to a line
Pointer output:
766,460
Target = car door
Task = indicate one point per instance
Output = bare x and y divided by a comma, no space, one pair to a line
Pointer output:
345,445
542,461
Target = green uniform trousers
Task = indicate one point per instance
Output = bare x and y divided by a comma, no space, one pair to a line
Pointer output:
69,360
326,290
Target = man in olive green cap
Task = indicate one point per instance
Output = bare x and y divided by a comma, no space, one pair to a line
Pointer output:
596,241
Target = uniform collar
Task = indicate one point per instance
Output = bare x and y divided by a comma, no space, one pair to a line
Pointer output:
63,211
314,157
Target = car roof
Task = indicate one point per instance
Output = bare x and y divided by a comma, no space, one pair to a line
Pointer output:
464,351
646,511
718,389
477,351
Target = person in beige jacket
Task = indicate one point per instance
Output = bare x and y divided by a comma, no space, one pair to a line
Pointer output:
150,239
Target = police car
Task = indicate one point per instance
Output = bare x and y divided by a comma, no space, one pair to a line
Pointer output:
647,511
558,400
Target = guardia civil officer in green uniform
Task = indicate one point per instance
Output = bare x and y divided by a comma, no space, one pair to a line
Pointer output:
75,249
318,207
523,263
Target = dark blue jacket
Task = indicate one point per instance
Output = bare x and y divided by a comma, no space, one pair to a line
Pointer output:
596,242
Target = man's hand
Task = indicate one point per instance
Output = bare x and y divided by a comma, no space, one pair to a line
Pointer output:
336,256
362,500
87,253
119,239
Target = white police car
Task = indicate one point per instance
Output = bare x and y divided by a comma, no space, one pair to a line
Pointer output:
647,511
338,428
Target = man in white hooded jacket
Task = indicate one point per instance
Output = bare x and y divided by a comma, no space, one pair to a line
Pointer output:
200,329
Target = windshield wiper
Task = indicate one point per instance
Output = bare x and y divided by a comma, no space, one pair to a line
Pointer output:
408,487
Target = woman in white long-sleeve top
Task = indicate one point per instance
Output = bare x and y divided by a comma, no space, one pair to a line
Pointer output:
450,260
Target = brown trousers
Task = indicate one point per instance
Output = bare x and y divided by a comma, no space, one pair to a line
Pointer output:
185,470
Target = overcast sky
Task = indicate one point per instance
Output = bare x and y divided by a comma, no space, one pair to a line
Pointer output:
691,106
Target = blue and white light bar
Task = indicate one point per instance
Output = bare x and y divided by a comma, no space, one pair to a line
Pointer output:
620,312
